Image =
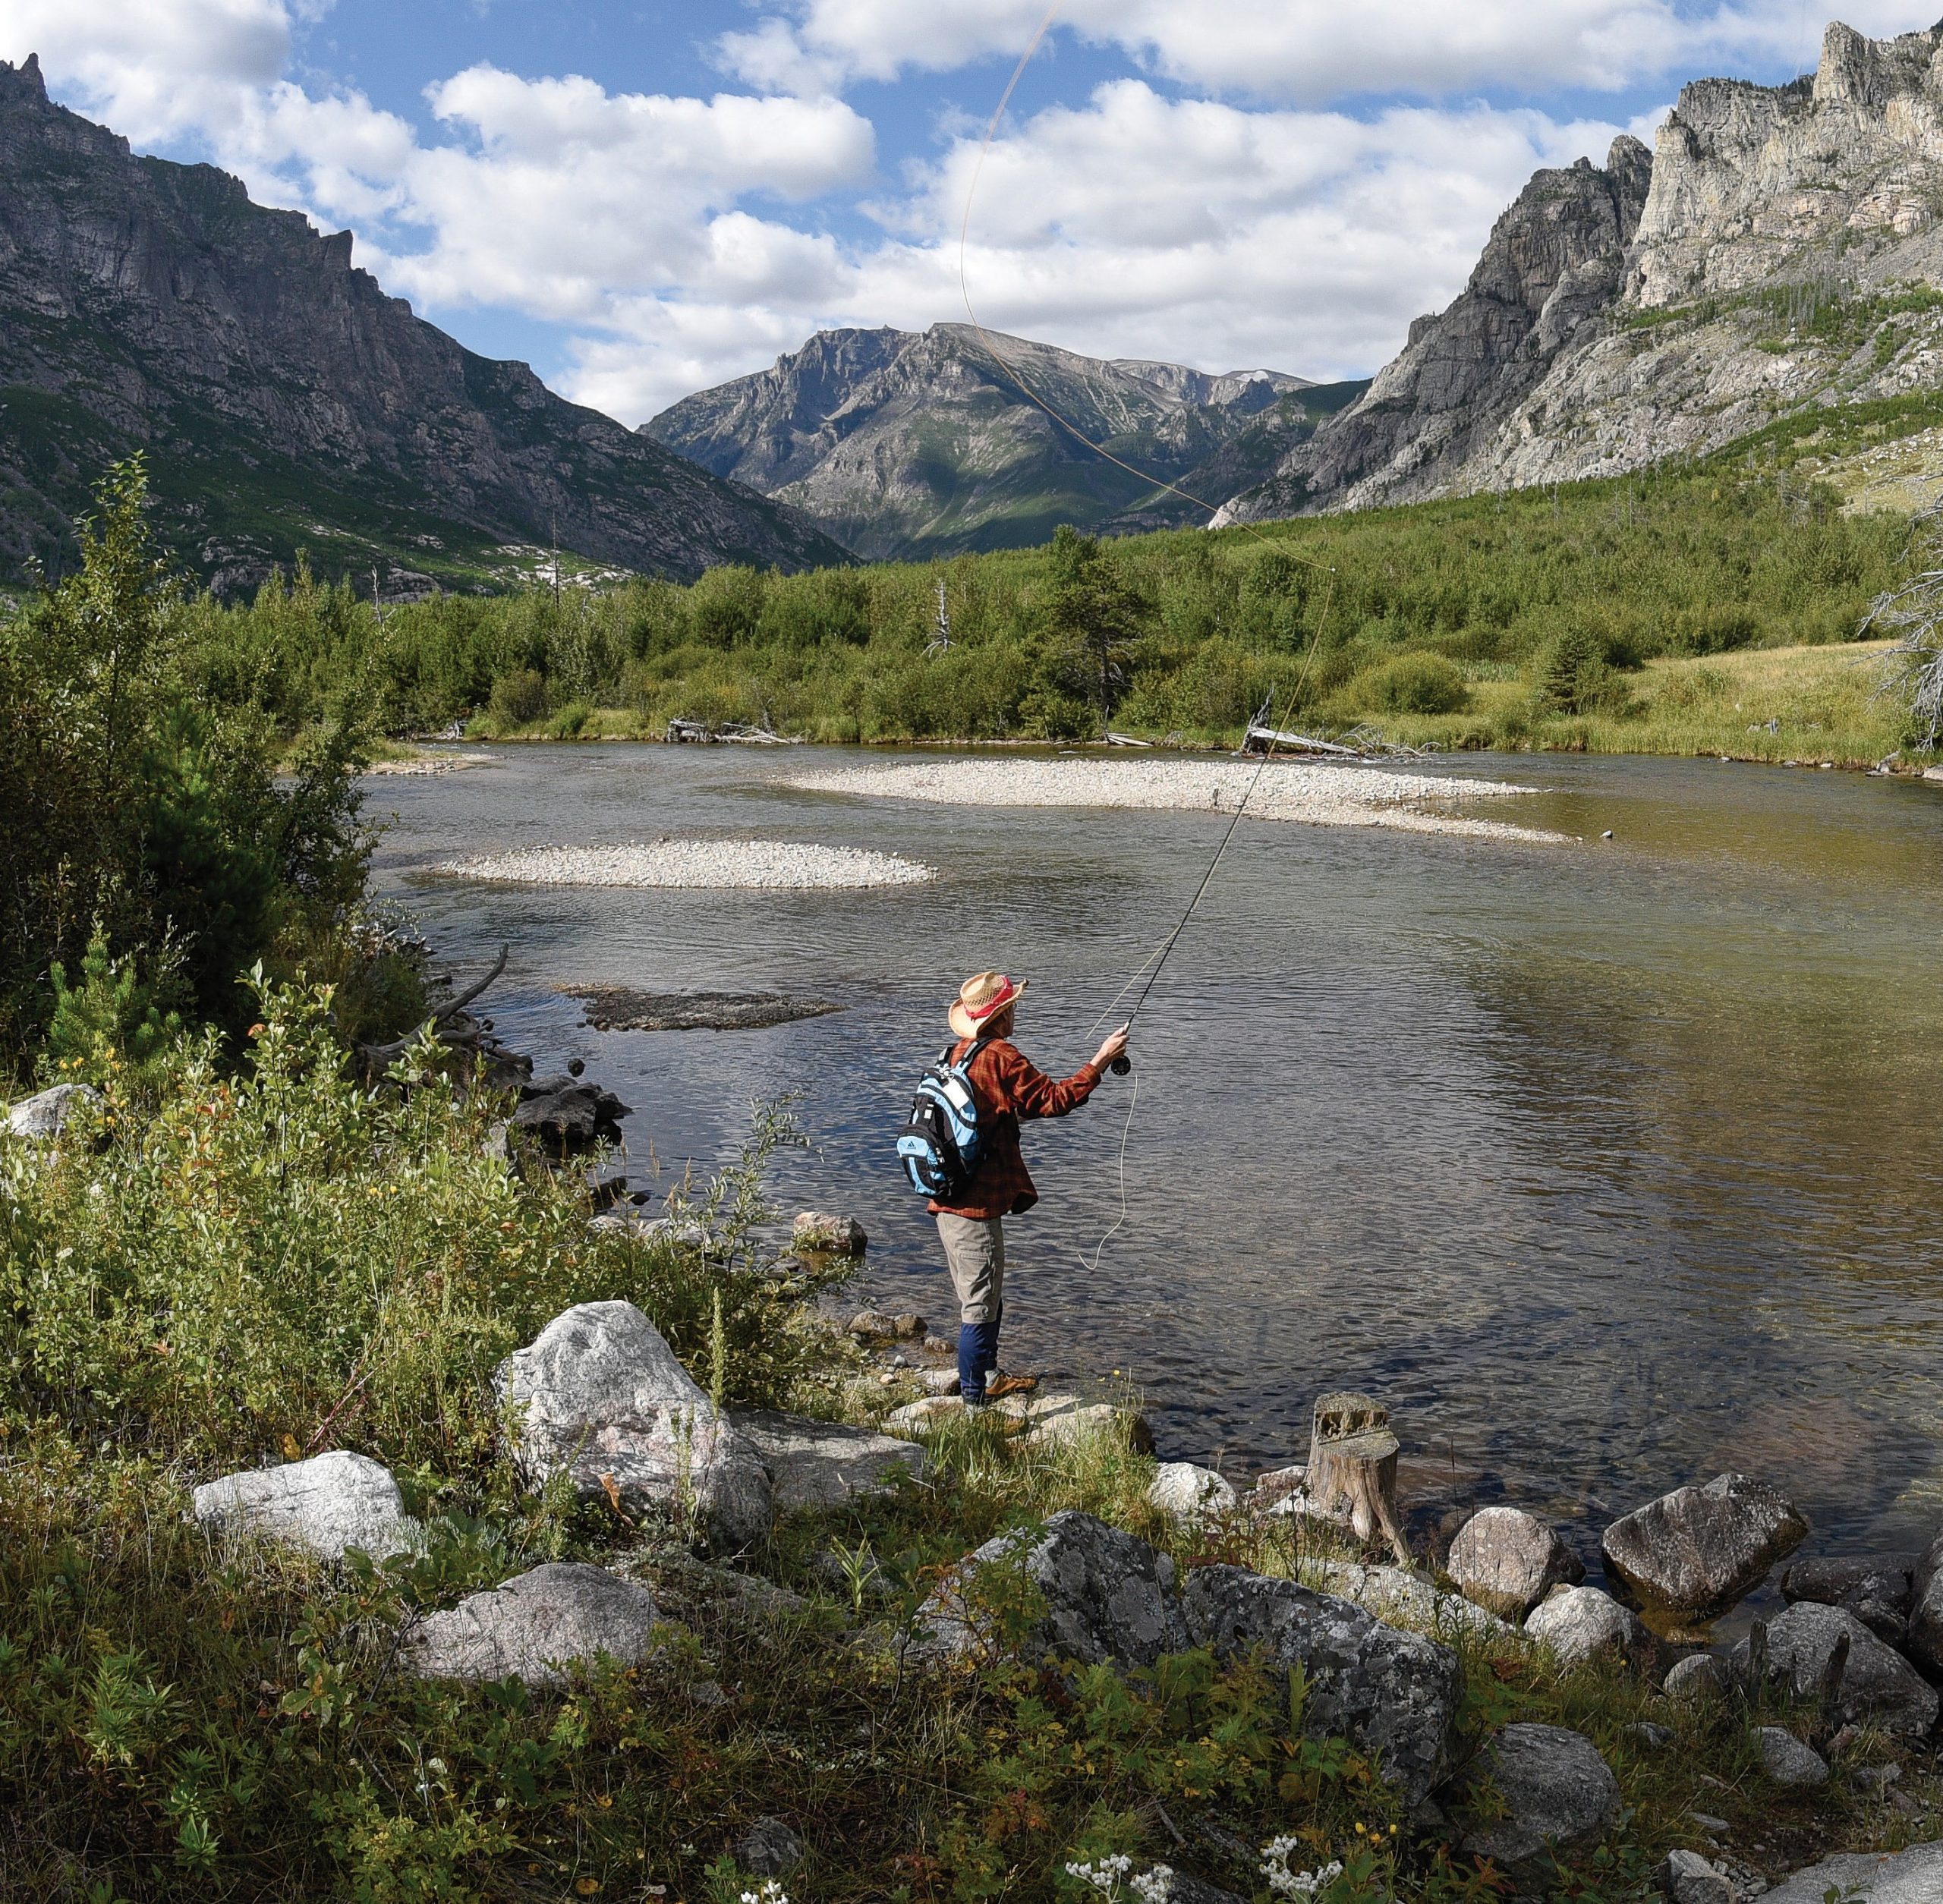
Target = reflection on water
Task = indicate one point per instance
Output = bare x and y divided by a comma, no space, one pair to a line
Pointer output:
1607,1164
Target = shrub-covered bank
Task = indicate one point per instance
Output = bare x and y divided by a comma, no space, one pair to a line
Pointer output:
1391,617
226,1265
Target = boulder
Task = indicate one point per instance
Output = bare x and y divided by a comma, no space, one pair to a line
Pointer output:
1700,1675
1056,1420
1181,1490
1580,1623
823,1464
823,1232
1105,1595
1790,1764
875,1325
1400,1598
601,1397
327,1505
1695,1552
1687,1878
1394,1694
1923,1639
567,1115
1278,1483
1876,1592
561,1615
1557,1793
1506,1561
770,1849
1878,1686
1911,1876
48,1113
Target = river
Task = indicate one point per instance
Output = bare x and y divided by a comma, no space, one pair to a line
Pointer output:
1609,1165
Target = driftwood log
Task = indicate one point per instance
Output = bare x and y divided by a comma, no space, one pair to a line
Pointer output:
469,1039
1352,1474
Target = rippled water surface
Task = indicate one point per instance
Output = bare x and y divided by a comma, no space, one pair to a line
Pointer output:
1609,1164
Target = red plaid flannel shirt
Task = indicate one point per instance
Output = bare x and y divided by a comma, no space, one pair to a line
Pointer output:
1009,1086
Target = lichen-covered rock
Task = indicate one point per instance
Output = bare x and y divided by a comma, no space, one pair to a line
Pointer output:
1688,1878
1581,1623
1392,1693
599,1396
824,1464
48,1113
328,1505
1700,1675
770,1849
1793,1766
1400,1598
1095,1594
535,1627
1506,1561
1698,1551
1923,1638
1187,1492
1878,1685
1876,1592
1911,1876
827,1232
1557,1793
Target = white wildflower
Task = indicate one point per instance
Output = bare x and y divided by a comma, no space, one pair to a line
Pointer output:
1105,1876
1155,1886
1285,1883
772,1893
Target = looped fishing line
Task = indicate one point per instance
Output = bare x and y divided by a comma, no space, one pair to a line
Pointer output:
1156,959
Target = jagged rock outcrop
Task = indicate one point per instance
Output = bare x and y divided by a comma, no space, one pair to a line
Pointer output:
285,401
907,444
1784,256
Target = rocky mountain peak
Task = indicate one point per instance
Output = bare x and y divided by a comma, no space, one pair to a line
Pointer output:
22,85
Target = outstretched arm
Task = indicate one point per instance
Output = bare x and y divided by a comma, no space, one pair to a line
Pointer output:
1029,1093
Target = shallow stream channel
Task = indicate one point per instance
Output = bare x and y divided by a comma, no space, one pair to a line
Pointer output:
1609,1164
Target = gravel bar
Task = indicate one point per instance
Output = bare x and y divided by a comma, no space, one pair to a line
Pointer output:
1320,796
773,865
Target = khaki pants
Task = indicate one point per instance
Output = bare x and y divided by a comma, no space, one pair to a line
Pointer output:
974,1253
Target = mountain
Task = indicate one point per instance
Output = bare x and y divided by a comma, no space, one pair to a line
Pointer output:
1776,268
904,445
285,401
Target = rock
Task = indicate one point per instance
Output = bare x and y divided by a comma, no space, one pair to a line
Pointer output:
1698,1551
1793,1766
1392,1693
824,1233
939,1381
1923,1637
1557,1793
1649,1736
874,1325
562,1614
1700,1675
327,1505
1687,1878
602,1396
1876,1592
1279,1483
1911,1876
914,1417
1400,1598
1506,1561
1162,1882
938,1345
1713,1827
1186,1492
1056,1421
770,1849
824,1464
1877,1778
568,1116
1580,1623
1878,1685
48,1113
1107,1595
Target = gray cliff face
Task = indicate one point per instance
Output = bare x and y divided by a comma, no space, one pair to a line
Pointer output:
904,443
1782,251
1554,263
282,396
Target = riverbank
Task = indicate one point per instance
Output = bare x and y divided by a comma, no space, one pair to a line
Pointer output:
794,1620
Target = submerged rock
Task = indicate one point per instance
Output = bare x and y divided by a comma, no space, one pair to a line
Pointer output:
602,1398
1107,1595
561,1615
825,1232
1557,1793
326,1505
1878,1686
1506,1561
569,1115
824,1464
1392,1693
1697,1552
1580,1623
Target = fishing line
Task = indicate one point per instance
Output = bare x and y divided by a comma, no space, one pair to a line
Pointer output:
1158,959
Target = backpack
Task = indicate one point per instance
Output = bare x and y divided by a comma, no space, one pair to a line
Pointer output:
939,1144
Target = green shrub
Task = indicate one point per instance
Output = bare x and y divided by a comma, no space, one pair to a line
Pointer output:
1412,683
519,698
566,724
1574,674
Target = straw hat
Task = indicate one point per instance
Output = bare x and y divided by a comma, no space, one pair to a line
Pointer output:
980,998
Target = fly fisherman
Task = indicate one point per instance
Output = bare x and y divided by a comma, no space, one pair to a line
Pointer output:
972,1225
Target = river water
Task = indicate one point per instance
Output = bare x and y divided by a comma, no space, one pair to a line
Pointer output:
1608,1165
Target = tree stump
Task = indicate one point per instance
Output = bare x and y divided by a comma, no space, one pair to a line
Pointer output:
1353,1468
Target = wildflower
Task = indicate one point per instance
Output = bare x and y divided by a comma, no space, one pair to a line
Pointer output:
1285,1883
772,1893
1155,1886
1105,1876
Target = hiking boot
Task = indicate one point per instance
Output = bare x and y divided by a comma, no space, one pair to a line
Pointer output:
1000,1387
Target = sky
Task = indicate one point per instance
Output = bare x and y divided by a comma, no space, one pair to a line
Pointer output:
644,199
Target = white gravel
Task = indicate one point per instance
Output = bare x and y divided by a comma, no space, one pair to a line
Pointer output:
775,864
1321,796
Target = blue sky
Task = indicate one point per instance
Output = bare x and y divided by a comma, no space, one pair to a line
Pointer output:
642,199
